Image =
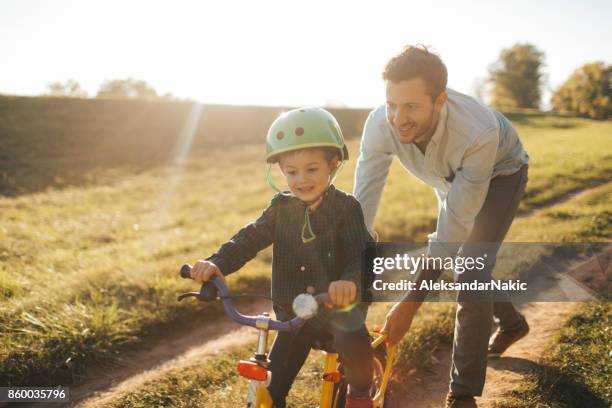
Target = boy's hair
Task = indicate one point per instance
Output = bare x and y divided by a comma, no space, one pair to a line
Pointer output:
417,62
330,152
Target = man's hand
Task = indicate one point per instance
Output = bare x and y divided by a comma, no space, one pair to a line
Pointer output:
342,293
204,270
399,320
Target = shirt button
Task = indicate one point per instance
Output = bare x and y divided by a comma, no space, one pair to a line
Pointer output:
310,290
302,268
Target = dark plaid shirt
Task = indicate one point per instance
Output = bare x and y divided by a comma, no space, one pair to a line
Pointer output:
336,253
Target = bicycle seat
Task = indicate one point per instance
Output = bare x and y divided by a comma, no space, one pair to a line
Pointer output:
324,342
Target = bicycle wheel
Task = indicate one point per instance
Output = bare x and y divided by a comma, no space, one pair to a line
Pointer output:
379,363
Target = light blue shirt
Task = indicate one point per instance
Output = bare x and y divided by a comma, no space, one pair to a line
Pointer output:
471,145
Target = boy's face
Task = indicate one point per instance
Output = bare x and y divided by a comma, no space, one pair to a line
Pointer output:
307,172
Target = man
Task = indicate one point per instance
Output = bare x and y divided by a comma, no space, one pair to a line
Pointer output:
473,159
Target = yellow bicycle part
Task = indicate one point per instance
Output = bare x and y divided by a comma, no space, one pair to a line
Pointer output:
330,367
263,399
379,398
327,385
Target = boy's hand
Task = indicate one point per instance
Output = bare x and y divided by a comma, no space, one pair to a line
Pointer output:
204,270
342,293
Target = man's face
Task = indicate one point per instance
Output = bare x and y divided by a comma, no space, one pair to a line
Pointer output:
411,110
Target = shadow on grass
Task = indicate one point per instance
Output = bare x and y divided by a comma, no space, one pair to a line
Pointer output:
539,197
552,385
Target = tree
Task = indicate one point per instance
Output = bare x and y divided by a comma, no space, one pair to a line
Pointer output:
169,97
70,89
517,77
587,92
126,88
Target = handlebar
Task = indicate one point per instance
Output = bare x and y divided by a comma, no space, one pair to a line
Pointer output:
216,288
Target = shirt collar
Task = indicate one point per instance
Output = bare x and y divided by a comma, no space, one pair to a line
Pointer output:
441,126
327,198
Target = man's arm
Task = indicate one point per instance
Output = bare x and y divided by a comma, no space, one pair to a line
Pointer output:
466,196
376,155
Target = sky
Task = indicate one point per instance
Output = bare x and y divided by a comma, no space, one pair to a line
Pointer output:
284,52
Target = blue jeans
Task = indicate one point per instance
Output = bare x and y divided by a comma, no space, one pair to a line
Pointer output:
473,321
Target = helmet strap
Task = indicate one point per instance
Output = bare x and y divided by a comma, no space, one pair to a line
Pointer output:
271,182
332,176
307,233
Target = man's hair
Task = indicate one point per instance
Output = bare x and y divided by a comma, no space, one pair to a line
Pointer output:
417,62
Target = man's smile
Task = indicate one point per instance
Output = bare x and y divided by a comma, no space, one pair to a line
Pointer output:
407,127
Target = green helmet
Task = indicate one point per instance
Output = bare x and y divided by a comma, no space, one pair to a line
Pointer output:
303,128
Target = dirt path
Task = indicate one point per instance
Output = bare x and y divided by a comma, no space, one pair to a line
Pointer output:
507,373
173,351
503,374
570,195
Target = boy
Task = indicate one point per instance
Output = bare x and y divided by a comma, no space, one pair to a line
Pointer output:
319,235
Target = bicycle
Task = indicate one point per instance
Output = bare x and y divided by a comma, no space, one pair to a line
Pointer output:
305,306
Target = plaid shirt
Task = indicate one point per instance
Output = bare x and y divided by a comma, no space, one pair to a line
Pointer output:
335,254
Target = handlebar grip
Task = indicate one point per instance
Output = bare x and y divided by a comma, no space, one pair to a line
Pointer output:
186,271
208,291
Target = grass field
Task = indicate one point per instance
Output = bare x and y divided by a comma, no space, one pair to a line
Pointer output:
577,371
581,356
89,271
73,141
